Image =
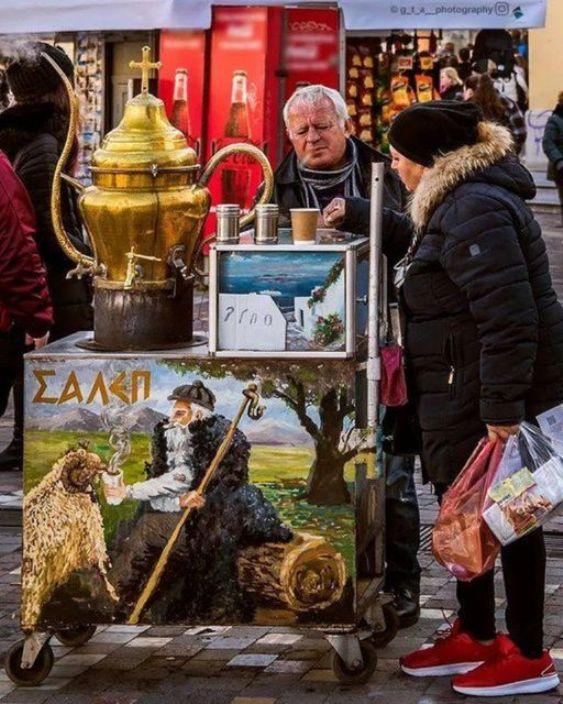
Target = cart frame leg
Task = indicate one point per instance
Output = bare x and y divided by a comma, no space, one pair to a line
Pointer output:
33,644
347,645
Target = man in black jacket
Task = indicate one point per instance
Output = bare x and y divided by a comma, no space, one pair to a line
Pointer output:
326,160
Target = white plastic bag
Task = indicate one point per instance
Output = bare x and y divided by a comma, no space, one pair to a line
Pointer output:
551,424
528,485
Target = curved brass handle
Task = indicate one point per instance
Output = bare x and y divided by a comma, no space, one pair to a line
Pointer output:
255,153
56,212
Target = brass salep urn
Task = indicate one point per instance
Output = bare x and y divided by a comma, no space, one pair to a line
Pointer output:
143,213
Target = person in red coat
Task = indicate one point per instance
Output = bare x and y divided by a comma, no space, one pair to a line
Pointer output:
26,313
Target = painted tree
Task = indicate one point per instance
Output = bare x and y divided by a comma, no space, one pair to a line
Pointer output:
321,396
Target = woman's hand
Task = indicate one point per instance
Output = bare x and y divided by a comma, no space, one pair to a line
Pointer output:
37,342
502,432
334,213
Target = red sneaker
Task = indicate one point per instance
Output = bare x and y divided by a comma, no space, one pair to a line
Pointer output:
451,654
509,672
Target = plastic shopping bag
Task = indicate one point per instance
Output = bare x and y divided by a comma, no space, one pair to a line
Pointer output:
551,424
528,486
462,541
393,380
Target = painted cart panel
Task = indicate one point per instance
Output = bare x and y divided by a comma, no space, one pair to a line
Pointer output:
288,300
274,539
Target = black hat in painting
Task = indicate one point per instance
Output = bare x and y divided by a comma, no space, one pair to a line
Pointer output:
31,75
427,130
194,393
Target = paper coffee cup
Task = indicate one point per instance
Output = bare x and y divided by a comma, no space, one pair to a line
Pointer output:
304,224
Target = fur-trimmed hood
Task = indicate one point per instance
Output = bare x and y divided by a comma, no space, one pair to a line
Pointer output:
489,160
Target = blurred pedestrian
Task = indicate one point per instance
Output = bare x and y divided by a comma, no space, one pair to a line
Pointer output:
451,85
25,306
553,148
32,134
480,89
464,67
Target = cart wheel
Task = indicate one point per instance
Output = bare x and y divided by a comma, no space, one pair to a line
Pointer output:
392,622
29,677
77,635
359,675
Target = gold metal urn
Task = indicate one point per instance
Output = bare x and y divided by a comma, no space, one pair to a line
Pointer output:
143,213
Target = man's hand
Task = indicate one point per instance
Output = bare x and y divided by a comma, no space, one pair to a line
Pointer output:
502,432
334,213
118,493
37,342
192,500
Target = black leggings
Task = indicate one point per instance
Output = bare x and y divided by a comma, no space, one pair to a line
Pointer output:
523,568
12,348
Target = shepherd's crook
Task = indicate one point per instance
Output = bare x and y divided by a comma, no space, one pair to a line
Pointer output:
255,411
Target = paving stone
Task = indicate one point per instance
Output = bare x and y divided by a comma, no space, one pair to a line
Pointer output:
205,668
248,631
311,655
279,639
164,631
113,637
26,697
224,655
289,666
319,676
142,642
6,686
78,658
125,628
252,660
227,643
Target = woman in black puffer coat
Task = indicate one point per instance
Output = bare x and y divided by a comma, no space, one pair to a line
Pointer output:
32,135
484,345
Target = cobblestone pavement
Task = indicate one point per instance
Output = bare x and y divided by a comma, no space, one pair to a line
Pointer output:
255,665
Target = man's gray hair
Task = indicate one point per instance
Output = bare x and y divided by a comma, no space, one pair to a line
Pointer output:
311,96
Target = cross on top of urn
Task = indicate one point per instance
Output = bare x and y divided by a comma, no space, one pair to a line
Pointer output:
146,65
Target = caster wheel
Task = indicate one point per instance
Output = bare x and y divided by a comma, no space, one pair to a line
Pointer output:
382,638
359,675
77,635
28,677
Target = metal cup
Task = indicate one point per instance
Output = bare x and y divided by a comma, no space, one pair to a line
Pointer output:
266,224
228,229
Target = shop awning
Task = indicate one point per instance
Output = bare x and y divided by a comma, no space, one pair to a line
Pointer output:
23,16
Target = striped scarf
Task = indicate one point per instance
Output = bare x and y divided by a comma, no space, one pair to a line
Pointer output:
314,180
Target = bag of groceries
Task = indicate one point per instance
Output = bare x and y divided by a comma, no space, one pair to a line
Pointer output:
528,485
462,540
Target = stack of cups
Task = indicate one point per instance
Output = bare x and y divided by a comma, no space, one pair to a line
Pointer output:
266,226
228,228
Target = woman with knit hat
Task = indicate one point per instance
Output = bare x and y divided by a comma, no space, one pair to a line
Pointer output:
32,134
484,348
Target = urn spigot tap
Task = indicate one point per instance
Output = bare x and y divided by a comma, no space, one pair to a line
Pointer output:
133,270
176,261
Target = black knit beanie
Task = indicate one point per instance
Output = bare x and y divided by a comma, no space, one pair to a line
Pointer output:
32,76
426,130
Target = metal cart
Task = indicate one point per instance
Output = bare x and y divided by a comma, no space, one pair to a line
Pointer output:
288,527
